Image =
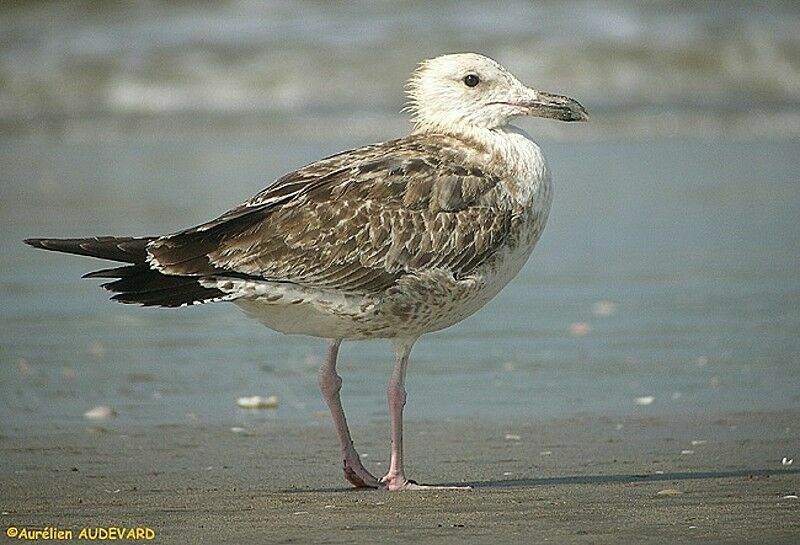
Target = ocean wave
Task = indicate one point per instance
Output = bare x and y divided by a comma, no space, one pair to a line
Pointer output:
710,64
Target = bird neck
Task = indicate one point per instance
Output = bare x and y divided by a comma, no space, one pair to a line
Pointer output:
510,153
510,150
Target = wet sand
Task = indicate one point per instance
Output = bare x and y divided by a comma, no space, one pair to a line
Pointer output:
709,478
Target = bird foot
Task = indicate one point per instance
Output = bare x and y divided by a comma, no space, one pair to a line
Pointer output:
355,472
394,482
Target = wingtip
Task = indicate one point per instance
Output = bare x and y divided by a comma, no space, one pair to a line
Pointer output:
35,242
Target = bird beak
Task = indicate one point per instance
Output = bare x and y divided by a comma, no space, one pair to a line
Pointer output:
541,104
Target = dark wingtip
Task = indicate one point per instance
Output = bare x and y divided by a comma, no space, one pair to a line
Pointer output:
54,244
43,243
35,242
123,249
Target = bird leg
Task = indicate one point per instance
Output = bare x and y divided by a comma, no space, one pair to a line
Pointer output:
331,383
396,479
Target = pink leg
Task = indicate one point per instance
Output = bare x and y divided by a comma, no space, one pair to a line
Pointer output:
396,479
330,383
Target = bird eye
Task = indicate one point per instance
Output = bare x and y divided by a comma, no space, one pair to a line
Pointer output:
471,80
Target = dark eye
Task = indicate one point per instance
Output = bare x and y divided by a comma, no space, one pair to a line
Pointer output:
471,80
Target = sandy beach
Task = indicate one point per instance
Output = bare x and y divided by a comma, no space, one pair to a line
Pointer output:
685,479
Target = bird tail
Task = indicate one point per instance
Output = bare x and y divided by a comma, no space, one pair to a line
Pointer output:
136,282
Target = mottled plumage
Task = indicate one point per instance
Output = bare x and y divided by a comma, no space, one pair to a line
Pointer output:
355,222
390,240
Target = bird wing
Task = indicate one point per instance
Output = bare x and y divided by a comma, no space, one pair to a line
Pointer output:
354,222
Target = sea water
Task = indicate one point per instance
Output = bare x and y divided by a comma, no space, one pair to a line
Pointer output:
667,280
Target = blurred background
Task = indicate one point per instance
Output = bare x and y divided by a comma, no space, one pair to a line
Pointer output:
668,279
647,68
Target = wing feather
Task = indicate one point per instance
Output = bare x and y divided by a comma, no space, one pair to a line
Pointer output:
355,222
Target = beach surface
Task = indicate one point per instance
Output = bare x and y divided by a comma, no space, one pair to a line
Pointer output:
584,479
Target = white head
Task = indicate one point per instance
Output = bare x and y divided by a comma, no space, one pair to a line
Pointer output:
467,90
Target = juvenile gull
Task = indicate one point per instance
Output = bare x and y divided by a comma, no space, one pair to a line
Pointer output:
391,240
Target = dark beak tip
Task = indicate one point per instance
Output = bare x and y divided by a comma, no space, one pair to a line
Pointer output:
561,108
578,112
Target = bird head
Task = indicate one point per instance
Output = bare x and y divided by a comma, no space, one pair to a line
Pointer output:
467,90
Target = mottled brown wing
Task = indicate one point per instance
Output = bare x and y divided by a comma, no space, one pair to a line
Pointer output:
354,222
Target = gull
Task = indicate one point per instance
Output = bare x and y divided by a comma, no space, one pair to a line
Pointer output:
387,241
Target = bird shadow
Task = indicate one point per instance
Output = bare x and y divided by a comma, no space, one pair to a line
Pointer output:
629,478
589,479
